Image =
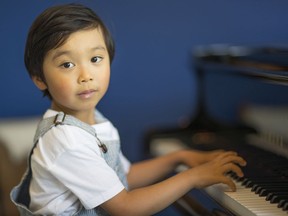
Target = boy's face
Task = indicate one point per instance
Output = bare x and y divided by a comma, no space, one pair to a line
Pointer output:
77,73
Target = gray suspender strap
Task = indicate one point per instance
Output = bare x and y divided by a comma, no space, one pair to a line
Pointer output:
63,119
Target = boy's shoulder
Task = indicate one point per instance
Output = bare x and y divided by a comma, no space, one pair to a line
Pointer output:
65,136
63,139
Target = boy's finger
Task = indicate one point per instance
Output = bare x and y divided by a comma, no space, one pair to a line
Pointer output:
229,183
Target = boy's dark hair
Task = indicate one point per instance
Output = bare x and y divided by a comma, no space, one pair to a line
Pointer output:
52,28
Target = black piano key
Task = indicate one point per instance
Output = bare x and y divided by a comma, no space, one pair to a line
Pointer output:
250,182
270,193
258,187
245,181
268,179
281,203
277,198
259,190
237,178
285,207
273,190
269,196
264,189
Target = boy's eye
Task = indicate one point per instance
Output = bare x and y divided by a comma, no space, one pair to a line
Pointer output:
67,65
96,59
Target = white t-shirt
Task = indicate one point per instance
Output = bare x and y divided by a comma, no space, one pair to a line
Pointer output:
68,169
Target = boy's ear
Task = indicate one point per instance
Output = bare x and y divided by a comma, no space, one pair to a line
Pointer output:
39,83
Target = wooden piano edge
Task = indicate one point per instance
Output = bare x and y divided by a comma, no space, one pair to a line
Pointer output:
188,205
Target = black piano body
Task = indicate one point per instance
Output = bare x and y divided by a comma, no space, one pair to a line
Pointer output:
266,175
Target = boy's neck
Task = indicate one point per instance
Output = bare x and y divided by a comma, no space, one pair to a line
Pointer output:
85,116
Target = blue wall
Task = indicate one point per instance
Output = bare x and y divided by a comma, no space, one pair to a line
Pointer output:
152,80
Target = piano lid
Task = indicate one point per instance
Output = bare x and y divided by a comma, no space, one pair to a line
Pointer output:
266,63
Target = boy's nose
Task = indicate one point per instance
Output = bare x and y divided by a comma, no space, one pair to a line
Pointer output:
85,79
85,76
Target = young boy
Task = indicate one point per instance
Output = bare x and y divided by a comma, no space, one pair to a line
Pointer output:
76,166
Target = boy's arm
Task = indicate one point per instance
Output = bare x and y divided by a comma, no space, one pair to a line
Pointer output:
151,199
150,171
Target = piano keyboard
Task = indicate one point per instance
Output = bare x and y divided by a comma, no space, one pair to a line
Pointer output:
244,202
265,177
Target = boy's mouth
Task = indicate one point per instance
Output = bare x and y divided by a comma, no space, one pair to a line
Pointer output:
87,93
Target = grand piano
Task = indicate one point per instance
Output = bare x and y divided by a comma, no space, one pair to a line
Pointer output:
263,191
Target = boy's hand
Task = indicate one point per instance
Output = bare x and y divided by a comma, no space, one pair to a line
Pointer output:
192,158
215,171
